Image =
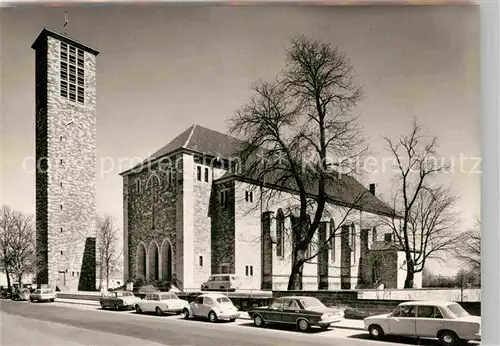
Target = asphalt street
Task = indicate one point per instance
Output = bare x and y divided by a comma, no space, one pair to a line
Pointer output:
26,323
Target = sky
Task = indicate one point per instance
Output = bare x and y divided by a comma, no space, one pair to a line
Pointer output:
162,68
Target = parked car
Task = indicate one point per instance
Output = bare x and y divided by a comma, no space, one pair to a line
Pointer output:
21,294
301,311
161,303
447,321
226,282
212,306
142,291
119,300
44,294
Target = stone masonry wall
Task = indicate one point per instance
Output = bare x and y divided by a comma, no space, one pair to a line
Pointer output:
71,143
223,229
162,231
41,171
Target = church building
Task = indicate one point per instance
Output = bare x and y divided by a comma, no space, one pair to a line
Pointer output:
188,213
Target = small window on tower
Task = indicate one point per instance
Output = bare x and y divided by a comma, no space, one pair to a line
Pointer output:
61,206
61,229
251,196
201,261
61,184
198,173
61,252
206,175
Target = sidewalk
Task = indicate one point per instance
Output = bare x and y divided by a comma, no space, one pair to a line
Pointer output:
344,324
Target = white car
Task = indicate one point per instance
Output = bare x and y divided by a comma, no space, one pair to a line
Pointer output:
161,303
212,306
43,295
447,321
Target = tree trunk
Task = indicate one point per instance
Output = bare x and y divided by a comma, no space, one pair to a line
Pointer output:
107,276
410,274
295,280
8,278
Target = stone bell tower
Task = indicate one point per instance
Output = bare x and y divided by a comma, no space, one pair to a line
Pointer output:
66,161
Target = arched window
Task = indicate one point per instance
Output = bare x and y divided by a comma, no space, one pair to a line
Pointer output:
280,234
153,184
141,260
153,261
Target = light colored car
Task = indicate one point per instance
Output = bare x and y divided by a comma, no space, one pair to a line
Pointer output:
447,321
212,306
43,295
161,303
119,300
226,282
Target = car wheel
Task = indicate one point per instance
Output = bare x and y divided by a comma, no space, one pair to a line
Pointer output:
103,306
52,300
222,288
232,319
117,307
138,309
375,331
303,325
448,338
325,326
185,312
212,317
258,321
159,311
31,300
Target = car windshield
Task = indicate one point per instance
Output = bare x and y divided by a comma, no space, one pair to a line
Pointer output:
224,300
168,296
457,310
124,294
310,303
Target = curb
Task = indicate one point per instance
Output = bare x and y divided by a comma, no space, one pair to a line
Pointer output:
94,303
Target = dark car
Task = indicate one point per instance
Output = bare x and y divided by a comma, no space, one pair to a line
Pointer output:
21,294
304,312
119,300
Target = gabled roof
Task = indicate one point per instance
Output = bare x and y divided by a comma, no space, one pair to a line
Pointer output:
344,191
198,139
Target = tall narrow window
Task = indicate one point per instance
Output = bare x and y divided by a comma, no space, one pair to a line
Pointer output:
223,196
246,196
72,73
332,240
198,173
206,175
200,261
374,234
155,183
353,240
280,234
251,270
251,196
246,270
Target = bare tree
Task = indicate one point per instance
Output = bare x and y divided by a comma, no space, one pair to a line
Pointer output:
17,244
427,227
299,133
107,248
468,249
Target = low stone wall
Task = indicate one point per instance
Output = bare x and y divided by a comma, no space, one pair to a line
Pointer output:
453,294
357,308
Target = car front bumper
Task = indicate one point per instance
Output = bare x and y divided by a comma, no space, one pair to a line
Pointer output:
330,320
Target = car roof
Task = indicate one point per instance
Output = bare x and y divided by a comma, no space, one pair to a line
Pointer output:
428,302
213,295
294,297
